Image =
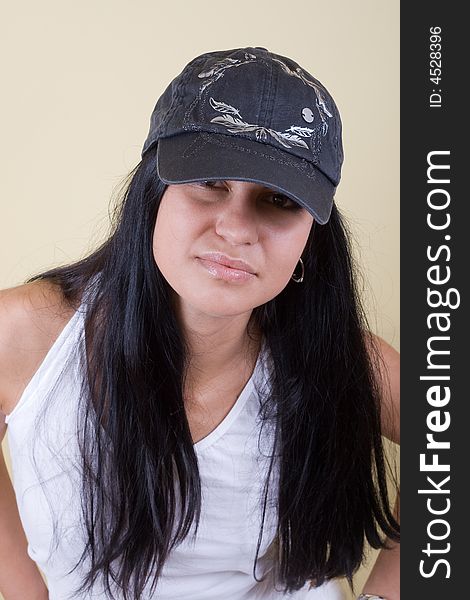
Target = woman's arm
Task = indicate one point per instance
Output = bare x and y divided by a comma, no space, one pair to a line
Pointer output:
20,578
388,374
19,575
384,578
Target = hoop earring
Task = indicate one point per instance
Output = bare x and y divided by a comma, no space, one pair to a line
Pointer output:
296,278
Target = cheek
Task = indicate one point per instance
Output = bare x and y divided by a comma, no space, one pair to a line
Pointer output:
168,236
176,229
282,254
172,220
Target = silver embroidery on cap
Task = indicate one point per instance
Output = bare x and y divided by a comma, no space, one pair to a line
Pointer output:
233,121
307,114
217,70
232,118
321,104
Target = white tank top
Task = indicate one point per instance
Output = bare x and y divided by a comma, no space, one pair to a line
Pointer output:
219,563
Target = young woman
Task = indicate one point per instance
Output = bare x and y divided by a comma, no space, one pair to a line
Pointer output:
195,410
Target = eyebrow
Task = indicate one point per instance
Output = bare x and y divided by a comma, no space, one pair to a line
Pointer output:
262,188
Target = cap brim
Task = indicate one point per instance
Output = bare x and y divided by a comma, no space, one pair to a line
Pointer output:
200,155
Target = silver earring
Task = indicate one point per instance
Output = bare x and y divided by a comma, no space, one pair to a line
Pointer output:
296,278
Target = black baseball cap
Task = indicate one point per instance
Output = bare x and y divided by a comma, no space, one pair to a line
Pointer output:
250,115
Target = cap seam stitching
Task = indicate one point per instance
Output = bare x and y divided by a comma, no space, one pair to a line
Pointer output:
272,158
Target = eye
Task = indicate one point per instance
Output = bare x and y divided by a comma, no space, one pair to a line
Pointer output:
274,199
281,201
209,183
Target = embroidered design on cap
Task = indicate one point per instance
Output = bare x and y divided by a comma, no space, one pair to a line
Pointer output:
320,103
307,114
218,69
232,119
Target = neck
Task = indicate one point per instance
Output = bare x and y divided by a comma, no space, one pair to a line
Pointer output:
221,351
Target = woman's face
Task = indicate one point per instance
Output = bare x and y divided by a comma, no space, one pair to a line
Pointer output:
203,224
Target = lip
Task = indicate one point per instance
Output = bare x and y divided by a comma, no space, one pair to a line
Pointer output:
232,263
235,272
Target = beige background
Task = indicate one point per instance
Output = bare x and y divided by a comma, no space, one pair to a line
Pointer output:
80,80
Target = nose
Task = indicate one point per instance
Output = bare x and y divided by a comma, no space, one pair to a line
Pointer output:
237,221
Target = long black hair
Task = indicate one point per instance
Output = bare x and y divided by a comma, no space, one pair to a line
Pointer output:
138,459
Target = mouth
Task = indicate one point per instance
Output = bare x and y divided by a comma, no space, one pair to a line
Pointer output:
225,268
232,263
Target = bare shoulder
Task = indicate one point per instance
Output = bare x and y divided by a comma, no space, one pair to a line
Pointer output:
32,316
